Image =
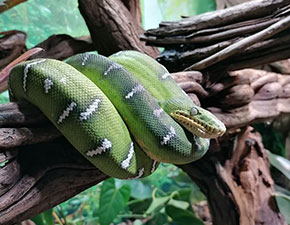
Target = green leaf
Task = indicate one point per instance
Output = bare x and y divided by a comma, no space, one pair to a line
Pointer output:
284,205
125,191
178,204
280,163
4,97
42,18
44,218
111,202
282,190
2,164
183,194
139,190
196,196
140,206
157,204
272,140
182,217
159,218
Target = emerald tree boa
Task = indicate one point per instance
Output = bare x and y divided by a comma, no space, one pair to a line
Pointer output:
124,113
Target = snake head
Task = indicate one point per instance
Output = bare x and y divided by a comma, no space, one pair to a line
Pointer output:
195,119
200,122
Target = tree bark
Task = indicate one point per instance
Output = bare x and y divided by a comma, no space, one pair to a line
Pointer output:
246,11
112,27
8,4
227,39
64,46
38,177
239,187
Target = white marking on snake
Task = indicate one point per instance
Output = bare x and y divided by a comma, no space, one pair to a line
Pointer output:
63,80
47,84
66,112
153,166
111,67
157,112
10,91
164,76
126,163
85,59
184,93
89,111
119,53
105,145
136,89
168,136
198,143
140,174
26,70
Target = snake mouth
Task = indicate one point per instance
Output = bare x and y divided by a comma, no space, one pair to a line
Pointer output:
198,127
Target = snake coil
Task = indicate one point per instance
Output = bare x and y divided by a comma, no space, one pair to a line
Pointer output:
125,116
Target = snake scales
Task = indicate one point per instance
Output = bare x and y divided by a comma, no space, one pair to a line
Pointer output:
124,113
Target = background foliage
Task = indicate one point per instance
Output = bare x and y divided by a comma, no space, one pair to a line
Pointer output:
42,18
167,196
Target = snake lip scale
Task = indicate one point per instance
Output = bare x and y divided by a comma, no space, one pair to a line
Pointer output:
198,127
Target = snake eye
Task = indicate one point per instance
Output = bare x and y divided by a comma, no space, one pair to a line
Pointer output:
193,111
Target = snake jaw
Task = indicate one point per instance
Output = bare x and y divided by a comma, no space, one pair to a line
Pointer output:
198,127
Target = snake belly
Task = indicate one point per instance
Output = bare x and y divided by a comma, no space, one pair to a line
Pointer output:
83,114
157,133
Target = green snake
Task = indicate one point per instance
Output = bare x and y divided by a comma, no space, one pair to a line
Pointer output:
125,113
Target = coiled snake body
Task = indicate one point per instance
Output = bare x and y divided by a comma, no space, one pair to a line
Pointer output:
92,100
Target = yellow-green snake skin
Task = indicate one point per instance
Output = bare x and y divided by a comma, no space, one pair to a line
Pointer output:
125,113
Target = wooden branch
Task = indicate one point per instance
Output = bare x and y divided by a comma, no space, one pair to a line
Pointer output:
62,46
20,114
263,58
135,10
56,47
8,4
242,44
4,74
112,27
212,35
246,11
12,45
214,45
239,188
50,172
14,137
221,4
250,96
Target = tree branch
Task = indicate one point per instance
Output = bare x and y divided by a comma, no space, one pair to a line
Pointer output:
239,188
208,43
8,4
242,44
247,11
112,27
49,172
